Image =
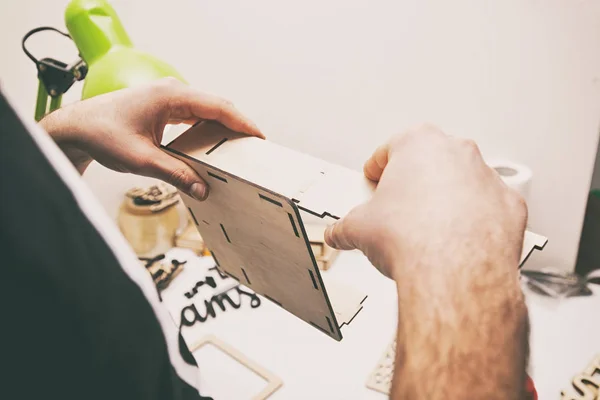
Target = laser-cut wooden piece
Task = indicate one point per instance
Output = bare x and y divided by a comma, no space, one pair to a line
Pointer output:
273,381
343,300
252,218
585,385
380,378
324,254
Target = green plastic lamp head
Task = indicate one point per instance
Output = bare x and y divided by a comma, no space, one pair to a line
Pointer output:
104,45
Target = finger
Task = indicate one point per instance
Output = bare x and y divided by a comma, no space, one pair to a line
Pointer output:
177,173
218,109
376,164
206,106
335,237
345,233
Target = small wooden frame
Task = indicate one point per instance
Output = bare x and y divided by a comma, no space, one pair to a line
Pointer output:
273,381
251,220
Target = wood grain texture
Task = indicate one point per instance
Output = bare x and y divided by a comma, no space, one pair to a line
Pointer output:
257,237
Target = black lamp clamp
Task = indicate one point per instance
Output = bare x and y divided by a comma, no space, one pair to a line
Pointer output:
55,77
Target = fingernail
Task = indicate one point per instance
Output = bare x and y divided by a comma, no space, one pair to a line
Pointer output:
198,191
256,129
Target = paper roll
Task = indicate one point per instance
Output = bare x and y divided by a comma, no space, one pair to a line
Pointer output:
516,176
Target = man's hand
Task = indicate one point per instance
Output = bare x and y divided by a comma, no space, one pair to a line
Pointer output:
447,229
123,130
435,195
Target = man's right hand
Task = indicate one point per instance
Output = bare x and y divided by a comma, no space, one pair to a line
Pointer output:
435,196
446,228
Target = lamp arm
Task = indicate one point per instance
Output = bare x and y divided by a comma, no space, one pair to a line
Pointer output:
41,102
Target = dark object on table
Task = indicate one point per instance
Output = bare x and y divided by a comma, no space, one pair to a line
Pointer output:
162,273
556,283
150,261
588,257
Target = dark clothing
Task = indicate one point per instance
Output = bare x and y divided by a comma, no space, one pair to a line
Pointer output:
78,322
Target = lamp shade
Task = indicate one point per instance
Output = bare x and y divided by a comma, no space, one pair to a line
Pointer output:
113,62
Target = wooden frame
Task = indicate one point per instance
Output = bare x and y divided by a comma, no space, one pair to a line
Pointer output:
273,381
251,219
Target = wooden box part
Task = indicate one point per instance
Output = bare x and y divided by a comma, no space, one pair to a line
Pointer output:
251,220
324,254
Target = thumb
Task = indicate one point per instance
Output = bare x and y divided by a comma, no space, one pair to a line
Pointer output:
178,174
345,233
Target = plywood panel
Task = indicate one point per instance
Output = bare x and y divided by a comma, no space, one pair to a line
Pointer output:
257,237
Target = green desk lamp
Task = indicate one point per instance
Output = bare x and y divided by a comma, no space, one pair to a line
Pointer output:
109,60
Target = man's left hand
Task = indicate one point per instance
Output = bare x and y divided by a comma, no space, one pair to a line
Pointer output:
123,130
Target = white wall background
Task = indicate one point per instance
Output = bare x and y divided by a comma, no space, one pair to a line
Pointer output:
336,78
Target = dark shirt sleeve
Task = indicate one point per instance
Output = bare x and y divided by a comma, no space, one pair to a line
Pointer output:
75,325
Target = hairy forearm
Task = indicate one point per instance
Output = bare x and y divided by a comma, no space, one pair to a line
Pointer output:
63,129
462,333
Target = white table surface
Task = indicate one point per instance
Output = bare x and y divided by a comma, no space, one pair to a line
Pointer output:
564,339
